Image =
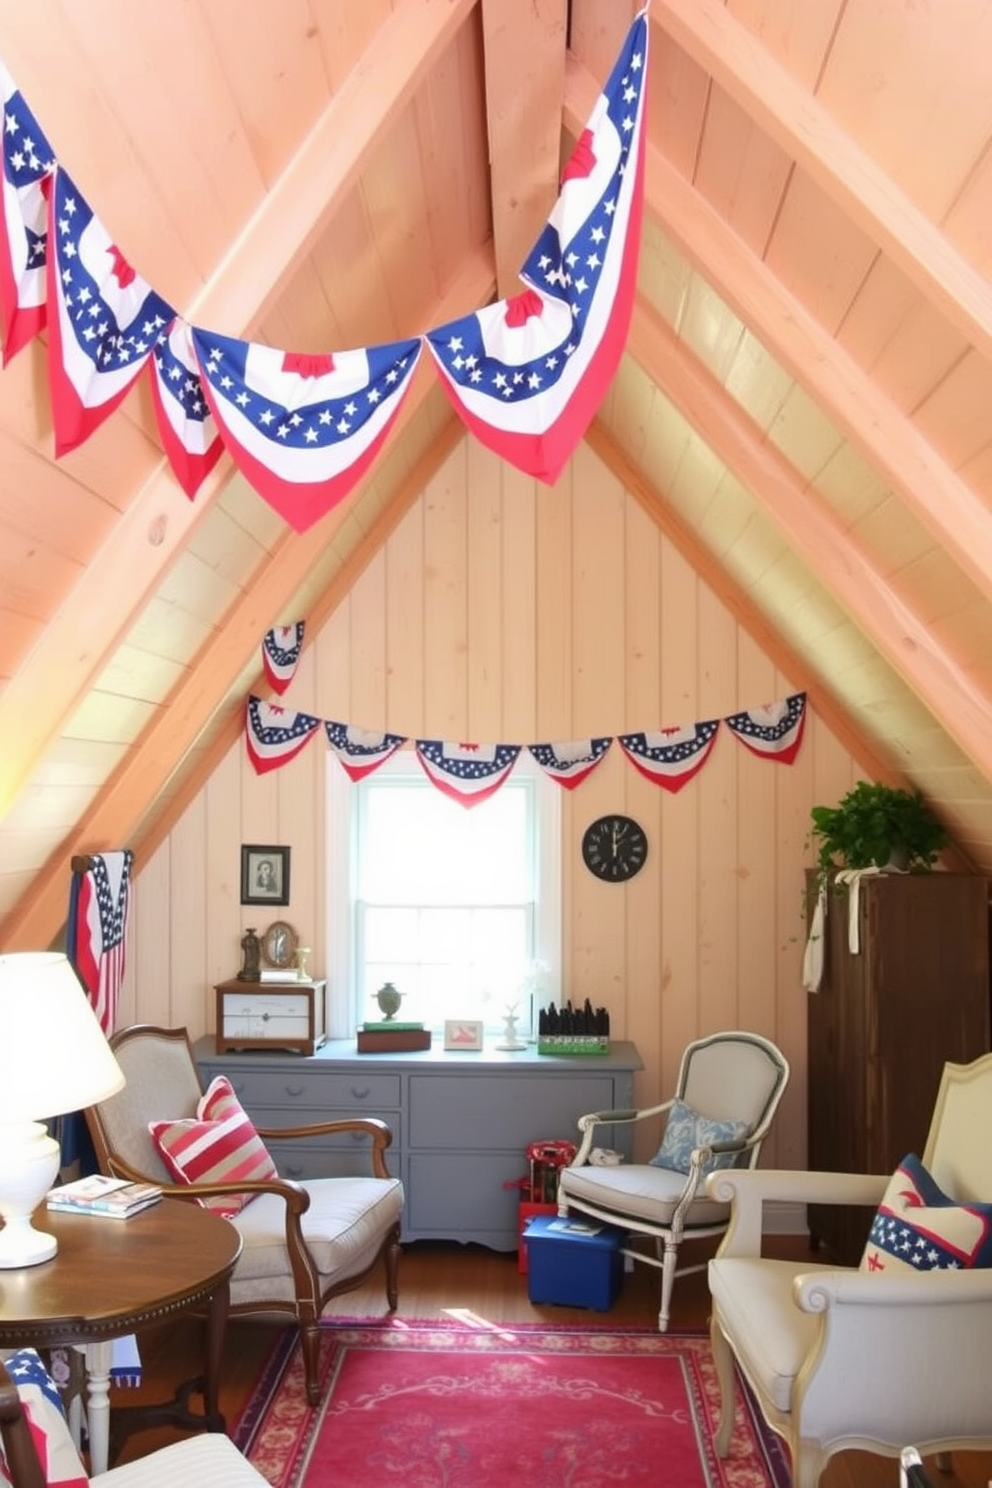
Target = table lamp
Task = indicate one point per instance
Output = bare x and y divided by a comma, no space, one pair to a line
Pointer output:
54,1058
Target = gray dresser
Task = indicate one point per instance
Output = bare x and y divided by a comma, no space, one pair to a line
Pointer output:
460,1122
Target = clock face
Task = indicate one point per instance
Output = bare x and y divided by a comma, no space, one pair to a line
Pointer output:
279,944
614,848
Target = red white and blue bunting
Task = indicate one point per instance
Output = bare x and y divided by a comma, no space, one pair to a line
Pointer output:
281,654
470,772
526,374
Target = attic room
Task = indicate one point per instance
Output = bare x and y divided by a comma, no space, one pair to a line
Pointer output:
783,492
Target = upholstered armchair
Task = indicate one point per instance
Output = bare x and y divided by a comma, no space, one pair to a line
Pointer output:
302,1243
888,1354
728,1089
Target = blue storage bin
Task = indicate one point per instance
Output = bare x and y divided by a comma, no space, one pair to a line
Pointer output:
574,1262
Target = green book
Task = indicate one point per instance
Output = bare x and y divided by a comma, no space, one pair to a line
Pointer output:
391,1025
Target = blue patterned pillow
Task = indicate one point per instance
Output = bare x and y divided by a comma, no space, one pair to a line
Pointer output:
686,1129
918,1227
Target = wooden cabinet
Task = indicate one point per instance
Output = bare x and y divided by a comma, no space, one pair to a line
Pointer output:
460,1122
884,1021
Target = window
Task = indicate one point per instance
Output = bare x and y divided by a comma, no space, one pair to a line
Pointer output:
458,907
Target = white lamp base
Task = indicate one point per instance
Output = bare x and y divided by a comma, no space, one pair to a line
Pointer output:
29,1164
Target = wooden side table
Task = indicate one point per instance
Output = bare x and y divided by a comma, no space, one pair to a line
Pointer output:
109,1278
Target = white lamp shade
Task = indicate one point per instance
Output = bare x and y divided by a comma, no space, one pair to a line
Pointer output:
54,1056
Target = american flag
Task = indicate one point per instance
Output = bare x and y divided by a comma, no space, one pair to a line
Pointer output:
468,773
186,427
45,1415
105,318
98,900
302,429
572,762
773,731
27,160
281,654
671,757
527,374
275,735
360,751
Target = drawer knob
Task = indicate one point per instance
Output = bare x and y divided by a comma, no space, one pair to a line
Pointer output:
360,1094
295,1090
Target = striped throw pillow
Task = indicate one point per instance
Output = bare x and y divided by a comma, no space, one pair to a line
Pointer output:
218,1145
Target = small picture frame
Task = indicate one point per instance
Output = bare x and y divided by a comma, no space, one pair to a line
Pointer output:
463,1035
264,874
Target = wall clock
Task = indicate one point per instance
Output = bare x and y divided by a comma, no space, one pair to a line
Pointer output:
279,945
614,848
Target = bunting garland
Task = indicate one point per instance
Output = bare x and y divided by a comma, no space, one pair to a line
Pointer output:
27,160
526,375
471,772
281,654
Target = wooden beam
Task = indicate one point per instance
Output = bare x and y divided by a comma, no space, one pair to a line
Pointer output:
206,687
791,116
744,610
74,648
817,537
937,496
525,85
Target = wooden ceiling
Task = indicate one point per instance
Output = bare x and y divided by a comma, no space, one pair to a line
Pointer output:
804,404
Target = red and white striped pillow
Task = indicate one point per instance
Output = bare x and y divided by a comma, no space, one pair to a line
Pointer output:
218,1145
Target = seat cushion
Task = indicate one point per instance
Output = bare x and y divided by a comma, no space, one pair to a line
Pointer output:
687,1129
638,1191
208,1459
918,1227
218,1145
344,1228
771,1336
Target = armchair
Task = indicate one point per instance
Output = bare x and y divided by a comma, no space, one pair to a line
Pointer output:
730,1085
207,1461
873,1359
302,1243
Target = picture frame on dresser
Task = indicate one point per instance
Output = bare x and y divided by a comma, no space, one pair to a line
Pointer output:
463,1035
264,874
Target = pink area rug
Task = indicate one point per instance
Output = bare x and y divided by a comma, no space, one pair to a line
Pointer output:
473,1404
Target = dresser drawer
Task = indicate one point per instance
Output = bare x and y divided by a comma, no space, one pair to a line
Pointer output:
271,1118
488,1111
303,1160
315,1092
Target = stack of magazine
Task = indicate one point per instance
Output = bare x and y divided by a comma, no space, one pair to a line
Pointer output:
109,1198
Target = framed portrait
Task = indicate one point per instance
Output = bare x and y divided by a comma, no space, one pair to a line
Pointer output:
462,1033
264,874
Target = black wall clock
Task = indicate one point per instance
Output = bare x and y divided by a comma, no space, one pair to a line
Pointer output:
614,848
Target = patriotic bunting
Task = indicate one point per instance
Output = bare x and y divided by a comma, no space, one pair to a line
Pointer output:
95,934
281,654
468,773
670,757
572,762
276,735
361,751
774,731
303,429
27,160
105,318
186,427
527,374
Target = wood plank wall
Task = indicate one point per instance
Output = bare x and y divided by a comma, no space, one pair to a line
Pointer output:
504,610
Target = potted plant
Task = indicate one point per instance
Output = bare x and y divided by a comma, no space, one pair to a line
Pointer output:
877,825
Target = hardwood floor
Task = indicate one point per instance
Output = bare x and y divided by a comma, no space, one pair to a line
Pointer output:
438,1280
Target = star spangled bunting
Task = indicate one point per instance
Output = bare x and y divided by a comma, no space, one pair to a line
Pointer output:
360,751
468,773
275,735
570,763
27,159
281,654
104,321
670,757
95,940
186,427
527,374
303,429
773,731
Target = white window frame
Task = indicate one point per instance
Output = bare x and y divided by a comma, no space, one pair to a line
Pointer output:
343,1012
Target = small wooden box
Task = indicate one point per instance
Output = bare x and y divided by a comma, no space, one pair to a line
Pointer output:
271,1015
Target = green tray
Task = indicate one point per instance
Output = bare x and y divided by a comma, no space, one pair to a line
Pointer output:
562,1044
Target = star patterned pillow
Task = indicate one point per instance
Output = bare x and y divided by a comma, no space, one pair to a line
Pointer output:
918,1227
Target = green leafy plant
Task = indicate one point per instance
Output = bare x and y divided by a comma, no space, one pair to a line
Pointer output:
875,825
